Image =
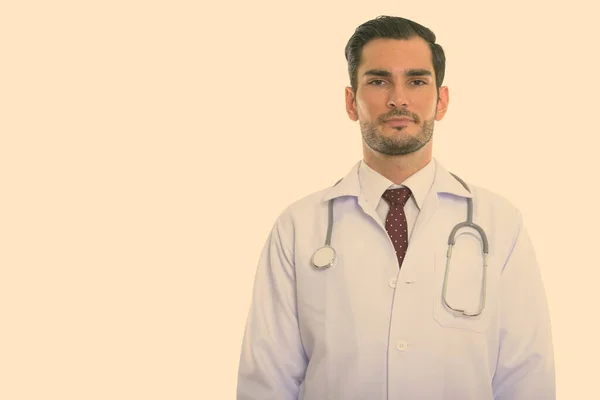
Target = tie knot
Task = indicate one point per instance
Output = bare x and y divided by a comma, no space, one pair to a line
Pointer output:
397,196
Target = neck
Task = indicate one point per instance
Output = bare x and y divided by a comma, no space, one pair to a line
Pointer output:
397,168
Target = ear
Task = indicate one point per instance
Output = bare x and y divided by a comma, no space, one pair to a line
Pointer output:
351,104
442,104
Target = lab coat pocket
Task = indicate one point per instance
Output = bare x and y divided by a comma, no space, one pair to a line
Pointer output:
465,291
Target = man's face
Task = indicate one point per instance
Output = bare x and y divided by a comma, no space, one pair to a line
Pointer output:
396,80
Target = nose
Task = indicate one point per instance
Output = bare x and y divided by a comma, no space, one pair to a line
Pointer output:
397,98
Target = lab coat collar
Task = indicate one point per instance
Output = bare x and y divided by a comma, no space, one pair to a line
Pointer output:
443,182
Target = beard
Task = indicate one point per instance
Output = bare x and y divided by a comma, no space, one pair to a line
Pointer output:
399,144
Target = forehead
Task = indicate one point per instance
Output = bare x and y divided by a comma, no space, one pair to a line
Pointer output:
396,55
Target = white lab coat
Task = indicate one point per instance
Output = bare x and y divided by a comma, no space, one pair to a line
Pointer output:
364,329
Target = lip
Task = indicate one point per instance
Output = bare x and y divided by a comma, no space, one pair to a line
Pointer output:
399,121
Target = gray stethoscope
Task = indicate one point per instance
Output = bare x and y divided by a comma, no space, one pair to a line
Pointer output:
325,257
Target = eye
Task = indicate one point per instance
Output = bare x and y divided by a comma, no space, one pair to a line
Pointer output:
374,82
420,81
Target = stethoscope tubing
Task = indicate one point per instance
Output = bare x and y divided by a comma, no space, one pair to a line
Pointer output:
329,253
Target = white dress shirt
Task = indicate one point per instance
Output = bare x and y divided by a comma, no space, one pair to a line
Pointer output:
373,185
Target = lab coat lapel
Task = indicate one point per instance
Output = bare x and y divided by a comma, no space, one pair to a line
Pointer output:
369,210
430,206
443,182
347,186
350,186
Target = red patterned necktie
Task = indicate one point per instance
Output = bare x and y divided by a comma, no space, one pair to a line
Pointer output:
395,224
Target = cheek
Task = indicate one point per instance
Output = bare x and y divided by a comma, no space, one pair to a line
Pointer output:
425,109
369,108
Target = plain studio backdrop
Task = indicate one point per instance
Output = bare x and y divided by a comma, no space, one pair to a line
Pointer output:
148,147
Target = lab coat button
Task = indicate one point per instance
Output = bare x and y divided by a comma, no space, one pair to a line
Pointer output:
401,345
392,282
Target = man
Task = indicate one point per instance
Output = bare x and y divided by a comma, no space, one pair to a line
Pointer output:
384,320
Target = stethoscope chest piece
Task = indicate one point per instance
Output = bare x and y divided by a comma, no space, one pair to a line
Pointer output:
324,257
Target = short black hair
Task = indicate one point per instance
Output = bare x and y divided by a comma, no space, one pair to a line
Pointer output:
388,27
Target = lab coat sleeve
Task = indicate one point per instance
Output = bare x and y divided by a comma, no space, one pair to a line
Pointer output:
273,362
525,367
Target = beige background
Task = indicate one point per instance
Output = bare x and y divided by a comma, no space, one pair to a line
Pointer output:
132,133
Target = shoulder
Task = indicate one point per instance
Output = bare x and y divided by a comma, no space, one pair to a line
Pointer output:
498,215
493,200
304,207
486,201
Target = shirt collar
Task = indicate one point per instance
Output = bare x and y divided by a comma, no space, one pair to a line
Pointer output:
433,176
374,184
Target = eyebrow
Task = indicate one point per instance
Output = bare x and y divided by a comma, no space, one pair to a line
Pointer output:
409,73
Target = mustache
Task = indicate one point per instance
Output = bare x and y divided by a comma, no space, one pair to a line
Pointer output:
399,112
